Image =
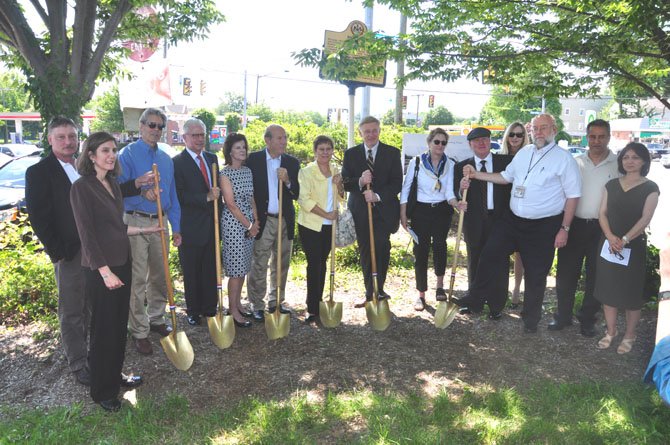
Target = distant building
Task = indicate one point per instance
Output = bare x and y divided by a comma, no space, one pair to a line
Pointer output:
578,111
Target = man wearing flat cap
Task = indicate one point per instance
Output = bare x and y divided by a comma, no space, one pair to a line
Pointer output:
487,203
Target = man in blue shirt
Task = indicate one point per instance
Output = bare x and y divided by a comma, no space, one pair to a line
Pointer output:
148,277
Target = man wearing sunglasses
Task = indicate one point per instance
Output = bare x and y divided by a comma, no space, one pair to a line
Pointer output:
148,277
597,166
487,203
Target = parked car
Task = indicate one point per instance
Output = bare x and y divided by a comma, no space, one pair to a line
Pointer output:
576,150
15,150
656,150
4,159
13,185
665,160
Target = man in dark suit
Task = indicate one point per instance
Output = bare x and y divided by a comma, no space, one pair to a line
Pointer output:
196,192
377,165
48,200
269,166
487,203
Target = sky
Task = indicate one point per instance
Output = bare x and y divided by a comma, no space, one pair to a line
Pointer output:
259,36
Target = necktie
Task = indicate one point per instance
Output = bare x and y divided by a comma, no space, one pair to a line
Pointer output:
371,161
485,188
203,169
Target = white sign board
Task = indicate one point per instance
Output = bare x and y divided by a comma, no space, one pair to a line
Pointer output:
413,144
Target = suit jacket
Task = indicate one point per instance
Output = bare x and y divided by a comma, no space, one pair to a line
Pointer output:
259,169
474,217
387,182
49,208
197,214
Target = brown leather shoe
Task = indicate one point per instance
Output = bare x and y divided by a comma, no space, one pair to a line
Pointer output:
143,346
162,329
360,303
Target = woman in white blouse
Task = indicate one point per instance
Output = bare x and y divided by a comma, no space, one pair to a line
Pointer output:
431,218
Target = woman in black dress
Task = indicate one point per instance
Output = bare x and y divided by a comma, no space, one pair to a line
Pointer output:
627,208
97,205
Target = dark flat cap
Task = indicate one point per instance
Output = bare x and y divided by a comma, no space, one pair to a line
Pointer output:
479,132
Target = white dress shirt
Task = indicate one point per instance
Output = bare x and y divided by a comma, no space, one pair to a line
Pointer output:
425,191
273,191
489,185
70,171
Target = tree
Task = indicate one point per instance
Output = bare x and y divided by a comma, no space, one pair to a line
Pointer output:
547,48
438,116
13,97
261,112
108,113
83,41
233,103
209,119
504,108
232,121
389,117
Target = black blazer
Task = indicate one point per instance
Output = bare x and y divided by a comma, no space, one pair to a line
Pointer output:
387,183
197,215
259,169
49,208
474,217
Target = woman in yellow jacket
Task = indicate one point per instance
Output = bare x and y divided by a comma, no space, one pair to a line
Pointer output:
319,182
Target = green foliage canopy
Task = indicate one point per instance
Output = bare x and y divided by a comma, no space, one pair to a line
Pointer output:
108,114
503,108
438,116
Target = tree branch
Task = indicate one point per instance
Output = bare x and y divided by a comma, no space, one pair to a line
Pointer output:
83,30
40,11
21,36
58,40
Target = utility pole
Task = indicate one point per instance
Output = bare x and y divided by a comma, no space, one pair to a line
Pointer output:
401,72
365,105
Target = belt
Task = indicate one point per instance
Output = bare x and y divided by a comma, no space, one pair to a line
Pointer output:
146,215
588,220
273,215
432,204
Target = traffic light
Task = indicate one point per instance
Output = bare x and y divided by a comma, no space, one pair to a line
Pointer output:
404,102
203,87
187,87
431,101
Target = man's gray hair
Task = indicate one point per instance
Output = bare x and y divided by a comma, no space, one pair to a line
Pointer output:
152,112
369,120
191,122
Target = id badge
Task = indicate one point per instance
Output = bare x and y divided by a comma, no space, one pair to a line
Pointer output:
519,191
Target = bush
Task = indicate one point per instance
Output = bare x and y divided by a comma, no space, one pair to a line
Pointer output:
27,284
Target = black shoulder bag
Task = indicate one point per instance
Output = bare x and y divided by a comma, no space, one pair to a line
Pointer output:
411,199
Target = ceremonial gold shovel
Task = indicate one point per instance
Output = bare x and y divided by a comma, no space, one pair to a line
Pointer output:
277,324
377,311
330,312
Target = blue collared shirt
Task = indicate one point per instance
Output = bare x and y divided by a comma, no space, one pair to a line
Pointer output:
658,371
136,159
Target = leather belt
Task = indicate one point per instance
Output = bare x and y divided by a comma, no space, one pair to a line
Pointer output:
146,215
273,215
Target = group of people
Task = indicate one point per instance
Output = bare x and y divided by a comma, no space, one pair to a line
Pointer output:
98,221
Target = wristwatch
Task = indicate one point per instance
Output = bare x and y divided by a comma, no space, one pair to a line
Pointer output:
664,295
625,239
566,228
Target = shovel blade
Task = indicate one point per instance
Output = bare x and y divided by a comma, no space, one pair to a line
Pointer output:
277,325
221,329
445,314
330,313
178,349
379,314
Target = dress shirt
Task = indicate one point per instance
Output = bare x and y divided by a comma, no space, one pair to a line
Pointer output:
208,168
594,178
136,159
273,192
70,171
425,190
489,185
550,176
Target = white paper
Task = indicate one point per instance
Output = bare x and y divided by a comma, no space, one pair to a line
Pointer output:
415,237
623,258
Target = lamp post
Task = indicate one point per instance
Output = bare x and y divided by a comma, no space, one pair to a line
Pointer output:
258,78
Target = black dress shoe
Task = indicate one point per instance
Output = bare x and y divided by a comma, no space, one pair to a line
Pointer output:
83,376
111,405
529,329
210,314
495,315
162,329
465,310
555,325
383,296
258,315
588,330
282,309
246,314
131,381
311,319
193,320
242,324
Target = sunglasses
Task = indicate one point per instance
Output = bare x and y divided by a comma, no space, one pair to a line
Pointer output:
153,125
438,142
515,135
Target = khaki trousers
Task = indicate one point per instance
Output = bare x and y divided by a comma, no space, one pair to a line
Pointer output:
148,286
265,249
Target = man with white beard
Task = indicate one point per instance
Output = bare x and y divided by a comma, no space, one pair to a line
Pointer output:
546,186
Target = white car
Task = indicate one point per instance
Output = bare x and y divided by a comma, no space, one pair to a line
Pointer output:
665,160
16,150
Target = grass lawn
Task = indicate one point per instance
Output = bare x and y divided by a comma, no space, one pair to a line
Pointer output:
543,413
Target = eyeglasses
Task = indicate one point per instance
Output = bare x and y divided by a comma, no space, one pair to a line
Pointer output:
618,255
439,142
515,135
195,135
153,125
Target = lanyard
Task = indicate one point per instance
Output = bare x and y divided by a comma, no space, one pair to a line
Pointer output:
531,166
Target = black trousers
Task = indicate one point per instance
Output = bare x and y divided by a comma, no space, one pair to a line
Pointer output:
582,245
431,224
109,327
199,268
475,243
534,240
382,250
316,246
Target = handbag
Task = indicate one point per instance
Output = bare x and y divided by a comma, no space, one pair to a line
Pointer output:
411,199
345,230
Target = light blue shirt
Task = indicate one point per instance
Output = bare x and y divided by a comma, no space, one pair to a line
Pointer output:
658,371
136,159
